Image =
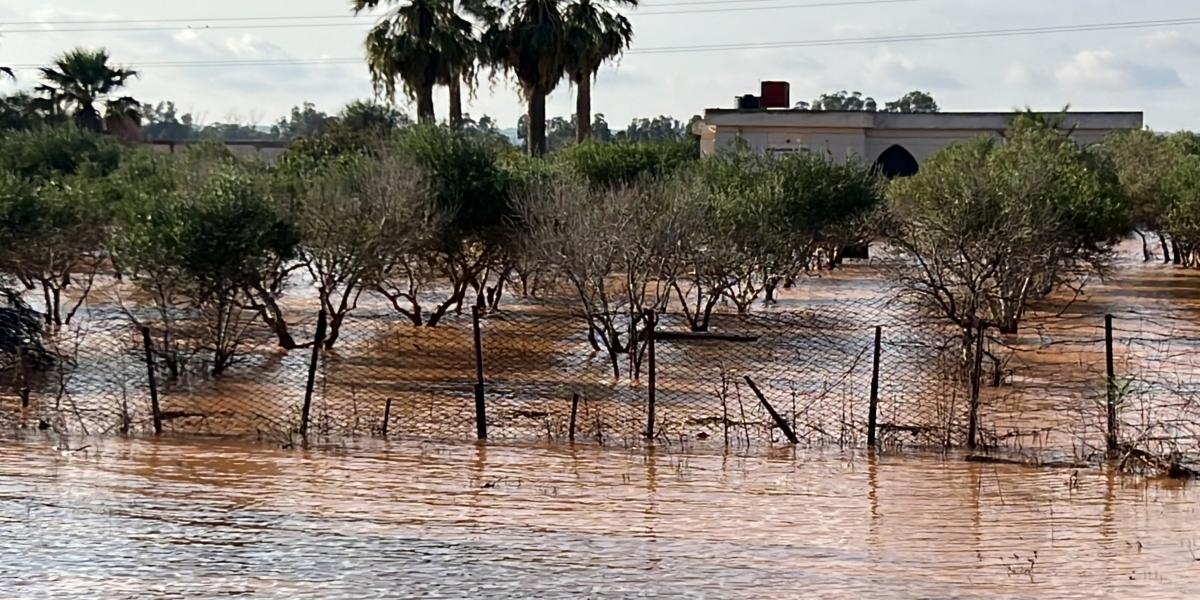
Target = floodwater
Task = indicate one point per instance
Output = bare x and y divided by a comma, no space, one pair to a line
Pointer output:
203,518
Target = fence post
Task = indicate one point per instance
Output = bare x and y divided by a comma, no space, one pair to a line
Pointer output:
1111,395
312,373
480,406
653,374
780,422
574,411
873,410
150,375
387,418
976,375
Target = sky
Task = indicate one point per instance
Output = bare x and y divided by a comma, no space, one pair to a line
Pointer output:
1151,69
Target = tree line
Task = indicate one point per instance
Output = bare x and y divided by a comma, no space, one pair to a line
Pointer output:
429,219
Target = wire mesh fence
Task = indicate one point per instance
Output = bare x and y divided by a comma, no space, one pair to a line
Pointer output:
538,373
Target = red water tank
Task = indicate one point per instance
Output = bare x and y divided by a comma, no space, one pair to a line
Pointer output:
776,94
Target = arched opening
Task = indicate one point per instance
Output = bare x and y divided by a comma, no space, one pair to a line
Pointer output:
896,162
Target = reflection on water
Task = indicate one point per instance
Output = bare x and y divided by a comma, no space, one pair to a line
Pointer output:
172,518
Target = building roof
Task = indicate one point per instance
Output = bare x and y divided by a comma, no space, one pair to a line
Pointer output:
886,120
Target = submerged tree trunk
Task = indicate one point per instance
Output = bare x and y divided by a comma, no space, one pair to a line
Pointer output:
456,118
583,108
537,123
1162,240
425,112
1178,255
1146,256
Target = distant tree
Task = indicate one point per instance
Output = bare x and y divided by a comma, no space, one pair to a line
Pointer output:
162,121
658,129
844,101
915,101
22,111
362,115
600,129
559,132
486,130
595,34
304,121
79,80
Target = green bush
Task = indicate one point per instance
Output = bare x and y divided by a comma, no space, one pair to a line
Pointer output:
623,163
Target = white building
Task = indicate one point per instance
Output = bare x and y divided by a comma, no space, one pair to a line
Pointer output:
898,142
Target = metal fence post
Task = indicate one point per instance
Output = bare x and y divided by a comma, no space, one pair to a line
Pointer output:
150,375
387,418
873,409
1111,386
653,374
976,375
574,411
480,405
312,373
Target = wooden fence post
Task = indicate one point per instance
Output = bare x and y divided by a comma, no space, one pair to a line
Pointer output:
780,422
387,418
976,375
480,405
1112,433
574,411
652,382
873,409
155,412
312,373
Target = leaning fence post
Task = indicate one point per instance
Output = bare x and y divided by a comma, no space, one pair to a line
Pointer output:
873,410
150,375
312,373
480,406
780,422
976,376
652,370
1111,395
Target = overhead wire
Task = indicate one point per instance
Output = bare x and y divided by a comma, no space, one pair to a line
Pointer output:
846,41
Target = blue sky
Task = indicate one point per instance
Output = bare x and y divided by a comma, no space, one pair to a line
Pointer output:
1149,69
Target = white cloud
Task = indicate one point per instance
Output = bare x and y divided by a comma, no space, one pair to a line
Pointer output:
1018,76
889,66
1101,69
1172,41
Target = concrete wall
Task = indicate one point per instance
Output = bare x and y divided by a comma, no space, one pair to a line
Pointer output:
866,135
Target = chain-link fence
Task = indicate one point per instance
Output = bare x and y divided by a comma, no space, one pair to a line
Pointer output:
540,373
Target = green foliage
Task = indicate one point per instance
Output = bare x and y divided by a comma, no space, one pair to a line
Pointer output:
624,163
1143,161
50,152
990,226
466,180
915,101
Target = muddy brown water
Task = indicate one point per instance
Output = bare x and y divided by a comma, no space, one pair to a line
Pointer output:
200,518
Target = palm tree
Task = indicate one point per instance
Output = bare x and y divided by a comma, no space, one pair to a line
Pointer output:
531,43
594,35
80,79
422,44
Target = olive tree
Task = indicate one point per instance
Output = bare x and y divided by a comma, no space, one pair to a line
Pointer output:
989,226
360,222
1182,220
194,237
471,192
612,246
53,213
1144,161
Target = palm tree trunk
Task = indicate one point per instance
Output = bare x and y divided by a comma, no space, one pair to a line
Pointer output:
456,119
425,114
583,108
537,123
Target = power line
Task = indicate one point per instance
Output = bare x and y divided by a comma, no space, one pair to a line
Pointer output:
355,21
989,33
366,15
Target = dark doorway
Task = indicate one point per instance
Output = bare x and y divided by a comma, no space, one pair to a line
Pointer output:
897,162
